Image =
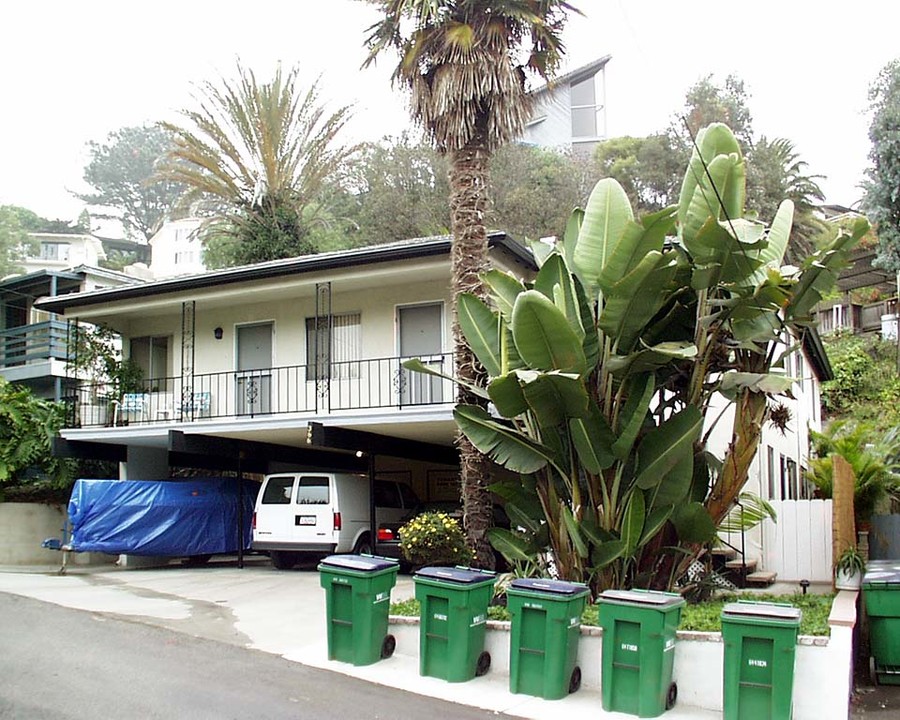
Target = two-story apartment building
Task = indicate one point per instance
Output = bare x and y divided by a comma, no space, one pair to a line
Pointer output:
292,361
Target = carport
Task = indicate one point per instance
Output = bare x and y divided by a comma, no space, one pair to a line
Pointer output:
329,448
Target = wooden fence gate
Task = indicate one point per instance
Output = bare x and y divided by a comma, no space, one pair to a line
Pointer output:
798,546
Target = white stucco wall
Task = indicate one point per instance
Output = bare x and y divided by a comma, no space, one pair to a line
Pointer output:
24,526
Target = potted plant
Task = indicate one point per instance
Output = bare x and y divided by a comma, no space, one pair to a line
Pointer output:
848,572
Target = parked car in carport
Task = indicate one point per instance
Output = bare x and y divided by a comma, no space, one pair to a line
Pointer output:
388,541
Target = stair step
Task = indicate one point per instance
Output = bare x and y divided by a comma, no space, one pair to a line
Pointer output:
761,577
738,564
723,552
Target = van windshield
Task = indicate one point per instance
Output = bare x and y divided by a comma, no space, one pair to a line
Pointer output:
278,491
313,491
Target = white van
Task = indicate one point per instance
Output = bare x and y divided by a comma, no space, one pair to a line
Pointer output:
316,513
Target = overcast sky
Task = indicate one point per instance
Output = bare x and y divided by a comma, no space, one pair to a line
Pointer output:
72,72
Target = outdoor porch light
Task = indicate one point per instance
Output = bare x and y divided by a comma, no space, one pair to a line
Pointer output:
218,333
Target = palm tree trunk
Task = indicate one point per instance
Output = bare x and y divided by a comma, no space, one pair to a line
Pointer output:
468,177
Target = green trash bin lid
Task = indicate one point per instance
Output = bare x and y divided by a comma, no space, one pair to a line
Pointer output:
652,598
554,587
358,563
763,611
460,576
882,572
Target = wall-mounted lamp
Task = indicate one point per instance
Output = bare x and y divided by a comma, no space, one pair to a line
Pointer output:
218,333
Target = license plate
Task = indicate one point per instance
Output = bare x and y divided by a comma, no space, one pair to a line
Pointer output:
306,519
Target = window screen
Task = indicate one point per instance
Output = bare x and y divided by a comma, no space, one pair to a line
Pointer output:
312,491
278,491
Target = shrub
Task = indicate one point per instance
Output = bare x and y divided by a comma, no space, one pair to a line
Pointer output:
434,538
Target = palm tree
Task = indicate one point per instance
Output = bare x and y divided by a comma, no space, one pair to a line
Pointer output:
261,156
465,64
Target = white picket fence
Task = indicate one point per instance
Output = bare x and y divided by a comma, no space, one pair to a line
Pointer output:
798,546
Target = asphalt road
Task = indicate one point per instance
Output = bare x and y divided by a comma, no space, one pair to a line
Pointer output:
57,663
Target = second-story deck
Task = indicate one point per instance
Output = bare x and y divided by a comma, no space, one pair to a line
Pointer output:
241,395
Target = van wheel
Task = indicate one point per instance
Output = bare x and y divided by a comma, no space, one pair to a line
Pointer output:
283,560
363,546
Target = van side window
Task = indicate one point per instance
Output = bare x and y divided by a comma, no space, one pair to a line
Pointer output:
312,491
386,495
409,497
278,491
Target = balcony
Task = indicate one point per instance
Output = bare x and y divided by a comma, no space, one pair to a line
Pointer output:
32,344
242,395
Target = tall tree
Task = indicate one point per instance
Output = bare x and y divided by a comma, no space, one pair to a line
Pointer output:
647,168
399,191
776,172
882,186
261,156
464,63
121,171
14,239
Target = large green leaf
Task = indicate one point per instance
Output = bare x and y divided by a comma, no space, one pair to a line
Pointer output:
511,546
501,443
416,365
639,392
520,517
606,553
769,383
543,336
749,513
606,216
692,523
635,299
507,396
772,255
704,206
633,521
553,397
570,238
574,533
481,327
651,358
555,281
676,486
697,200
504,289
637,240
656,518
594,533
821,270
666,445
593,440
591,342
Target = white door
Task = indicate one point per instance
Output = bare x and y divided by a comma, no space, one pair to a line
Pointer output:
421,337
254,366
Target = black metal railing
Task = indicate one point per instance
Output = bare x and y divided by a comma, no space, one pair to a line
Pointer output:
33,343
379,383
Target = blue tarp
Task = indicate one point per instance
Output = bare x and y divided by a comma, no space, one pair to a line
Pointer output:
160,517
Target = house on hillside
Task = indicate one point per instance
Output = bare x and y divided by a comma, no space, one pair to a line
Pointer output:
286,363
176,249
570,111
33,342
59,251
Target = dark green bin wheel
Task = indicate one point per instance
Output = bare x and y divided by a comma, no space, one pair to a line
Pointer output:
671,696
483,664
873,673
575,680
388,645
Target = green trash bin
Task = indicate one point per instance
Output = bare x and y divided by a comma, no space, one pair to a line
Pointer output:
357,601
452,621
639,629
760,642
881,593
546,625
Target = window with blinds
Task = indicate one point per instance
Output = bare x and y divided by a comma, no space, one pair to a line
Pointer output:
333,347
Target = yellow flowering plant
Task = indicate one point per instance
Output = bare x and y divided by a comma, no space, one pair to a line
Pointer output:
434,538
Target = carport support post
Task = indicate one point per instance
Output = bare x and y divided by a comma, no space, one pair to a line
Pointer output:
373,530
240,513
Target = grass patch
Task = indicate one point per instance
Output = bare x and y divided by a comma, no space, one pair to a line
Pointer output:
702,617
